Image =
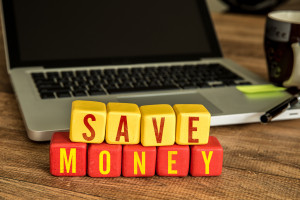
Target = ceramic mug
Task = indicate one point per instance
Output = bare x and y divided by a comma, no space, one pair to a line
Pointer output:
282,47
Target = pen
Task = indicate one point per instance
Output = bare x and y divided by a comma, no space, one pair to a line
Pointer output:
270,114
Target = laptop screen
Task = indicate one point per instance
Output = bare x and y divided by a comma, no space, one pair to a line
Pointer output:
55,33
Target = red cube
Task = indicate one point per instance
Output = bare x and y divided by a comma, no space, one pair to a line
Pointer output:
138,161
104,160
207,160
67,158
173,160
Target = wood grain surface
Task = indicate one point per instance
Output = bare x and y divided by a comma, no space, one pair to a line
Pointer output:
260,161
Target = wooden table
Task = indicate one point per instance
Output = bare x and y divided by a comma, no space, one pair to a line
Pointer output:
260,161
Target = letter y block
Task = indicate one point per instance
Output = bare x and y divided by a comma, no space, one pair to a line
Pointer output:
67,158
207,160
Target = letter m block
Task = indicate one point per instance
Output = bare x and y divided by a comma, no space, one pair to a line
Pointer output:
67,158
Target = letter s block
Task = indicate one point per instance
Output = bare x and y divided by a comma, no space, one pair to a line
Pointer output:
104,160
157,125
138,161
123,123
88,120
173,160
193,124
207,160
67,158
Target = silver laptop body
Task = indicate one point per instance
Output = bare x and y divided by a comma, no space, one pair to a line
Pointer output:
42,117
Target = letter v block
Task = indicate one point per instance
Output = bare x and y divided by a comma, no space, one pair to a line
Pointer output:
173,160
123,123
207,160
88,120
67,158
157,125
104,160
193,124
138,161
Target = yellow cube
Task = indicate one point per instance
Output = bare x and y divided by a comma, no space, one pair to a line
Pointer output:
123,123
88,120
193,124
157,125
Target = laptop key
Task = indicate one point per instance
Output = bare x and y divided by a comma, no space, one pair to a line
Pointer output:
96,92
66,74
47,95
79,93
63,94
52,75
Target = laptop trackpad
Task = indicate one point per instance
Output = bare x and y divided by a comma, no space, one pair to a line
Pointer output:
185,98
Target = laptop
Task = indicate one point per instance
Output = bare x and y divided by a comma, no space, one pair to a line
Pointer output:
134,51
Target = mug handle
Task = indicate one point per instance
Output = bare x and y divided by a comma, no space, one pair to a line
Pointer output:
294,79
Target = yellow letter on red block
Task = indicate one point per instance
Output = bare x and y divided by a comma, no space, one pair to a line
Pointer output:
123,123
88,120
193,124
157,125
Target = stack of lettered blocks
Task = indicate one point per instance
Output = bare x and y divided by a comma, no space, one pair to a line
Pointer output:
139,142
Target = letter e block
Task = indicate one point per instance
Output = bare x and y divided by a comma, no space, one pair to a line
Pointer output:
138,161
193,124
104,160
123,123
173,160
207,160
67,158
158,125
88,120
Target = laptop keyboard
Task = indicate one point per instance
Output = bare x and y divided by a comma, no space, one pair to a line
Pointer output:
110,81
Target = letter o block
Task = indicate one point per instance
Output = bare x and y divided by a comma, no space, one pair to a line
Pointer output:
193,124
207,160
173,160
67,158
104,160
138,161
157,125
88,120
123,123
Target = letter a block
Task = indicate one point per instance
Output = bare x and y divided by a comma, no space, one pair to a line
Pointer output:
157,125
173,160
67,158
138,161
193,124
123,123
207,160
104,160
88,120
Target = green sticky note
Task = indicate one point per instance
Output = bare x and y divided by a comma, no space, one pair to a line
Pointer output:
254,89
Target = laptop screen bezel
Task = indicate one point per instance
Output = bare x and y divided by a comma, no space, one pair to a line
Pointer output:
15,61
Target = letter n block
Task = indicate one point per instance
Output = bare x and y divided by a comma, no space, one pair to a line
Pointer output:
88,120
104,160
157,125
173,160
193,124
138,161
67,158
207,160
123,123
